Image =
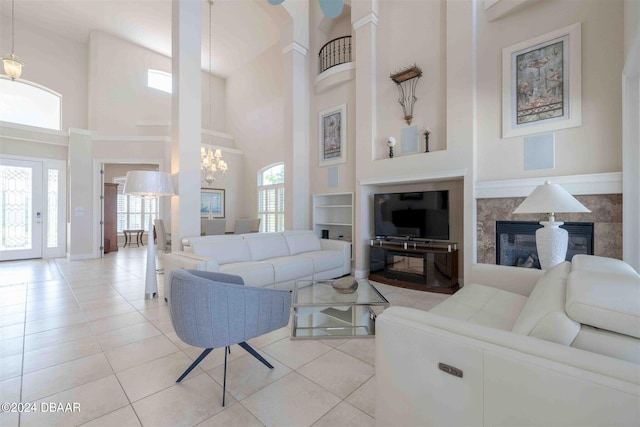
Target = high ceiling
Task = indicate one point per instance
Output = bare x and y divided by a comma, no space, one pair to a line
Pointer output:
241,30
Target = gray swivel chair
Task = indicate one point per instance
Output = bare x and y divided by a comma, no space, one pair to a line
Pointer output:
213,310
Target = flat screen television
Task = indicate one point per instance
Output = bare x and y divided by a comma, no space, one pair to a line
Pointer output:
420,215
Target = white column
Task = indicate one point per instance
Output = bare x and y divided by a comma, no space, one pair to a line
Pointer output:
186,119
631,156
296,77
364,19
462,107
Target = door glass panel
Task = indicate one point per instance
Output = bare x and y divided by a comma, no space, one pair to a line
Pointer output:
16,207
52,208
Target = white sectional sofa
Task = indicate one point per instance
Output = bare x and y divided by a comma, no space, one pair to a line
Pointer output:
558,347
265,259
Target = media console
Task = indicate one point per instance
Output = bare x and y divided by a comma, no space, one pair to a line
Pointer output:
423,265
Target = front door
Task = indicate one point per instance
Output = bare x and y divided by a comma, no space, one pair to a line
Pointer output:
21,210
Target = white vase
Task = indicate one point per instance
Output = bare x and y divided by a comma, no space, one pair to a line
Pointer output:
551,242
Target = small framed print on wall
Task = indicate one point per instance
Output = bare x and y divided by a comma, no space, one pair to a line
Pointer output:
541,83
211,203
332,125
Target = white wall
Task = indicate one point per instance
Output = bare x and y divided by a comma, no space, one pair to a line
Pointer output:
119,96
420,42
55,62
593,147
255,116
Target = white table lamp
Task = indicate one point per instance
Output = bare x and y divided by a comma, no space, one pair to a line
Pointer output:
551,240
149,185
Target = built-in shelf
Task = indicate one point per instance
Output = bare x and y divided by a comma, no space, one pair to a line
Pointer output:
333,214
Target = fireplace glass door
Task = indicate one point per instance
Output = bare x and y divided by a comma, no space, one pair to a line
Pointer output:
516,242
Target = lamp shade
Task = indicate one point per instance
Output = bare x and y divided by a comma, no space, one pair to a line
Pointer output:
148,184
550,198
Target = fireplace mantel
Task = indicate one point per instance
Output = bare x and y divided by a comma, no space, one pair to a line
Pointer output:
591,184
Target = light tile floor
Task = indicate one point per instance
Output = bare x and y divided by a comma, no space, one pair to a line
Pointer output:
81,332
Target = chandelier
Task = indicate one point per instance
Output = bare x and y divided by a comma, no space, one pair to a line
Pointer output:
212,165
12,66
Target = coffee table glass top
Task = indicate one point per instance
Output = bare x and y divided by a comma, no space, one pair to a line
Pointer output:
319,311
320,293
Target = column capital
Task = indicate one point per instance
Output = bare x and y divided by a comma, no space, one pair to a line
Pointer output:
370,17
296,47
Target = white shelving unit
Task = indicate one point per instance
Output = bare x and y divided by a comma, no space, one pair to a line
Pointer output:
333,212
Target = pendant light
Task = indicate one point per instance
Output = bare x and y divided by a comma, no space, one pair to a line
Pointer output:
211,164
12,66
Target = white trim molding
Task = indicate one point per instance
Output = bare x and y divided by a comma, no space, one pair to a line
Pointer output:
296,47
599,183
343,73
223,149
218,134
162,123
497,9
19,132
420,177
131,138
371,17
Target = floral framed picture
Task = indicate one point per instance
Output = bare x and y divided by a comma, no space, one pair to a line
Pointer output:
211,203
541,83
332,124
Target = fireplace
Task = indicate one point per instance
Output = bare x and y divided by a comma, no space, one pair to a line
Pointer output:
516,242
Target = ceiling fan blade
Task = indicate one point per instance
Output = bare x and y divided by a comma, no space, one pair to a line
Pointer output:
331,8
275,2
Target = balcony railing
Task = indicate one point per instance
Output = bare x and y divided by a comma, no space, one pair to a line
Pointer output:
335,52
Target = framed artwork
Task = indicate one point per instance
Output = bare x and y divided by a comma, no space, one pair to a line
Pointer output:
211,203
541,83
332,124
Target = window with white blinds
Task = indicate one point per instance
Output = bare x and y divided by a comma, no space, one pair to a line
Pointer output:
271,198
132,212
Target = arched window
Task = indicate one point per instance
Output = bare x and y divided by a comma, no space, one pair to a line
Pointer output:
28,103
159,80
271,198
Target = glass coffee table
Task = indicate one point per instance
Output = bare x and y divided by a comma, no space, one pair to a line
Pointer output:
319,311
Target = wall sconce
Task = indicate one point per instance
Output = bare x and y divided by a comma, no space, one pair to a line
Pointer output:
407,80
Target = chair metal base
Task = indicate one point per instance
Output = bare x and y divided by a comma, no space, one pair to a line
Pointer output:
227,350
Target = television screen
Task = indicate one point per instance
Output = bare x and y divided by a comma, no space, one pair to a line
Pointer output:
423,215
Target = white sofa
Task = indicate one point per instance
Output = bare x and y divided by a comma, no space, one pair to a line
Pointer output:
274,260
558,347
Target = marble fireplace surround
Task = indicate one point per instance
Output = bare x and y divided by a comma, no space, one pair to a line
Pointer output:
606,215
